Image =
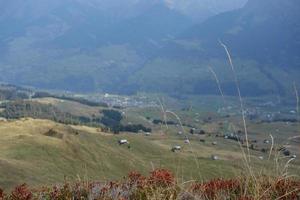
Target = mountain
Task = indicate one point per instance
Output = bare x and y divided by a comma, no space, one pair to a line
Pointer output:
268,30
200,10
91,45
263,38
153,46
48,43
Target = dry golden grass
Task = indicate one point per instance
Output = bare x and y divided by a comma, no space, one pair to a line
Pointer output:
28,153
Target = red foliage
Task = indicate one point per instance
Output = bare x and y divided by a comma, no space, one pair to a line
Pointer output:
134,176
137,179
137,186
288,189
21,193
1,194
161,177
55,193
213,188
245,198
113,185
104,190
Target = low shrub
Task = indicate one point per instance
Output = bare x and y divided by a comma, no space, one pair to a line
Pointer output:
161,184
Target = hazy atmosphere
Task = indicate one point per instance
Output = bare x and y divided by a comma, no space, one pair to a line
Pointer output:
149,99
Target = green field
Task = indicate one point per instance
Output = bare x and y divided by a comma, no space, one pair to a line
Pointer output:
41,152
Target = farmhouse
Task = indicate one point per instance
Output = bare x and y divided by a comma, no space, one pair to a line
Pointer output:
187,141
214,157
267,141
176,148
3,119
123,141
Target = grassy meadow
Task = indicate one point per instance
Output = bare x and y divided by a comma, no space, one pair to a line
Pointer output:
41,152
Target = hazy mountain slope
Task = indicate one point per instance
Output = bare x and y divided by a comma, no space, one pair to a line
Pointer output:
267,30
97,46
79,46
263,38
200,10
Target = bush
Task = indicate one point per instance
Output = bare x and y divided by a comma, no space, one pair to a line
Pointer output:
158,121
161,184
113,114
135,128
112,119
21,193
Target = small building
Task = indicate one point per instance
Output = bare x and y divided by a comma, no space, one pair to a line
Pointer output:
294,156
176,148
214,143
214,157
2,119
123,141
260,157
187,141
267,141
147,134
293,112
180,133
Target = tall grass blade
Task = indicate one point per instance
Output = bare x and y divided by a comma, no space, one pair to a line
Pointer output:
239,95
218,83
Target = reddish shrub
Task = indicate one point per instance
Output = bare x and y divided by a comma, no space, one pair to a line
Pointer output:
21,193
81,191
218,186
163,182
113,185
104,191
137,179
64,192
161,177
245,198
1,194
55,193
134,176
287,189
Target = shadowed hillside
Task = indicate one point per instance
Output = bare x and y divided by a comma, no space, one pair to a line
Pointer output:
79,47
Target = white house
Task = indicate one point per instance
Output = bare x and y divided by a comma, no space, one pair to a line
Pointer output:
123,141
176,148
214,157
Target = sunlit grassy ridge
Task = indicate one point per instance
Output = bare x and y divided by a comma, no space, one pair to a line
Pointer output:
29,153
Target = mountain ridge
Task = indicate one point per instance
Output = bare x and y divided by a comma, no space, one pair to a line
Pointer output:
80,48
